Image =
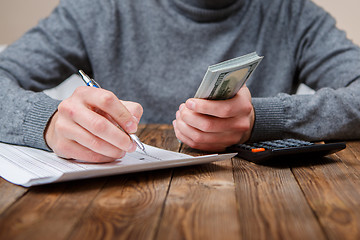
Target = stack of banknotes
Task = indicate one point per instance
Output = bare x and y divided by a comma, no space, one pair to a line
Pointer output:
224,80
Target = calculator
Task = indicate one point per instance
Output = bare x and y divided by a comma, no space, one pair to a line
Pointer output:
275,149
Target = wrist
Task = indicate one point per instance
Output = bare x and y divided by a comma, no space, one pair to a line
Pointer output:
49,130
269,119
248,133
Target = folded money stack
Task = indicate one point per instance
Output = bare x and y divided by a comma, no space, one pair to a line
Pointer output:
224,80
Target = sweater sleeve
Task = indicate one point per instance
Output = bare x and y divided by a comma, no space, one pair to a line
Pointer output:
329,63
41,59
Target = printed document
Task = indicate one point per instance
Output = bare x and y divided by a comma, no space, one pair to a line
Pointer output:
28,166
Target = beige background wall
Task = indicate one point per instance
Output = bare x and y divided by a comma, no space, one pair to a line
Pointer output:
346,12
17,16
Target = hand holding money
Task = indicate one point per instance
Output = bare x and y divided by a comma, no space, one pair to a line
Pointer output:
211,125
214,125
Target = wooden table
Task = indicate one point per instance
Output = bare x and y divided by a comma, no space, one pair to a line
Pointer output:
309,199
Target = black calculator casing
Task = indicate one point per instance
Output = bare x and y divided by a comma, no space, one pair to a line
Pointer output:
280,149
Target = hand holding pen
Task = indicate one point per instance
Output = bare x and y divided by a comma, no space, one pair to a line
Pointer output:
83,127
92,83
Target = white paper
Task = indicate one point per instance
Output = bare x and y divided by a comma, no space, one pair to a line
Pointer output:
28,166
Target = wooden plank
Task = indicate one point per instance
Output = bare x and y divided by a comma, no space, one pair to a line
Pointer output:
351,155
331,186
130,206
46,212
10,193
49,212
201,203
159,135
271,205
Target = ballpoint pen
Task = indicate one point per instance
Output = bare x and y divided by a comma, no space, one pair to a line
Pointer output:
92,83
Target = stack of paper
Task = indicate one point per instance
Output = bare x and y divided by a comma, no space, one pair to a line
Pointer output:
28,166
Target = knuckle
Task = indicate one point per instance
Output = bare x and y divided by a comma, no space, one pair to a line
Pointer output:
183,117
99,124
206,126
197,137
66,108
247,107
80,91
95,143
107,98
226,111
242,126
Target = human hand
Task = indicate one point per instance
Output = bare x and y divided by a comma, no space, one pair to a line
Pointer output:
213,125
84,127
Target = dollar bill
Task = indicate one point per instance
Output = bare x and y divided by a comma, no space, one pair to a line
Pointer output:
224,80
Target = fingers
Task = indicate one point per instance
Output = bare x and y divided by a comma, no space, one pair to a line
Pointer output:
134,108
96,124
72,141
201,140
86,139
107,102
73,150
240,104
84,127
207,123
213,125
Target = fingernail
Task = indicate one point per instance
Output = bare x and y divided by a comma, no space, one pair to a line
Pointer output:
181,106
122,154
190,104
132,148
177,114
131,127
136,119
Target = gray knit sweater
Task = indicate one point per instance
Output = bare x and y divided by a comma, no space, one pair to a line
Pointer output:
156,52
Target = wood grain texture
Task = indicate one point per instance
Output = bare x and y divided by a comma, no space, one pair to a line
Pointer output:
201,203
49,212
332,189
315,198
130,206
271,204
9,194
159,135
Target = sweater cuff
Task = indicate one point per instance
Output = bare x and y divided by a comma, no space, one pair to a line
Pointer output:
269,119
36,121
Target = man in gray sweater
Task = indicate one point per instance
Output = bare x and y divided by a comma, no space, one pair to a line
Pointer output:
153,54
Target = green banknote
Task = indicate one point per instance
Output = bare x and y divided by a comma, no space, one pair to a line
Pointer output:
224,80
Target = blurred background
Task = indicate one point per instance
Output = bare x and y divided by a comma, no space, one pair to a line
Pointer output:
17,16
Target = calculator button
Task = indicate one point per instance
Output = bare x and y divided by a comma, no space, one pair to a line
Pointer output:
245,146
255,150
